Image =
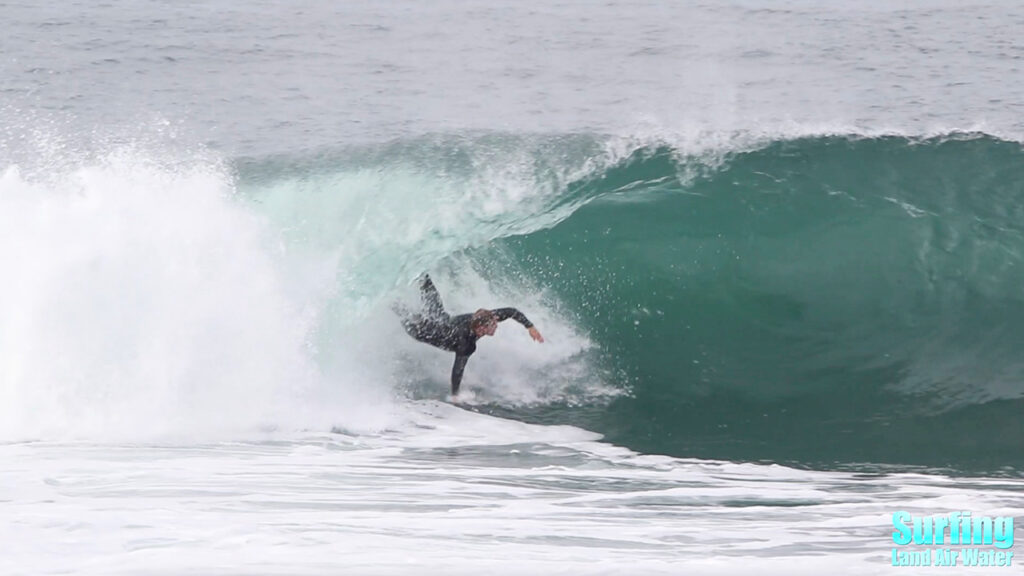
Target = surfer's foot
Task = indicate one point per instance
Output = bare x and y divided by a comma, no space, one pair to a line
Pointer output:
464,397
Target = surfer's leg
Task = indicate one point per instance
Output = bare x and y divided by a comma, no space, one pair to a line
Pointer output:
416,325
432,304
413,324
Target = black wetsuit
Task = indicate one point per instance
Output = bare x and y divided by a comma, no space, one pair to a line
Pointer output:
453,333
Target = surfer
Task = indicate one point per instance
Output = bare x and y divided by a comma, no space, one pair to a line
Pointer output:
455,333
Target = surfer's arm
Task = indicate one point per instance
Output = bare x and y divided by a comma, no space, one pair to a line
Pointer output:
515,314
457,369
505,313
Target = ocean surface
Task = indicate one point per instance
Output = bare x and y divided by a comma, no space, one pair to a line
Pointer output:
776,250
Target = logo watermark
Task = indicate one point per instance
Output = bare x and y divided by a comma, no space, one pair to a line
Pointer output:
956,539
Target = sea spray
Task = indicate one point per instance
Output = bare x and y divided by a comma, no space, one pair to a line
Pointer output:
144,301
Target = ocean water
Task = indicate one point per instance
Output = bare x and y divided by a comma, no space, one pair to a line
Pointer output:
775,249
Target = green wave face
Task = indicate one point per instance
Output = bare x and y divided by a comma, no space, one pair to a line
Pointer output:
823,300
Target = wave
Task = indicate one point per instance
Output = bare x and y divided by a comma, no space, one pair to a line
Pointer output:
812,299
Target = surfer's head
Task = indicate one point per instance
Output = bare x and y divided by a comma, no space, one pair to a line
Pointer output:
483,323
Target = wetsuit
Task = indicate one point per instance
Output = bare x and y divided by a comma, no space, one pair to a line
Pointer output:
453,333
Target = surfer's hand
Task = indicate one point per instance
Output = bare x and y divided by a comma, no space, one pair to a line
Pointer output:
535,334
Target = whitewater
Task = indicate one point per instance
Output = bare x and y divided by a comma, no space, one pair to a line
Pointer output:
774,248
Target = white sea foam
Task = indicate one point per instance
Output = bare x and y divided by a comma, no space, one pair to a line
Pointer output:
449,492
142,301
